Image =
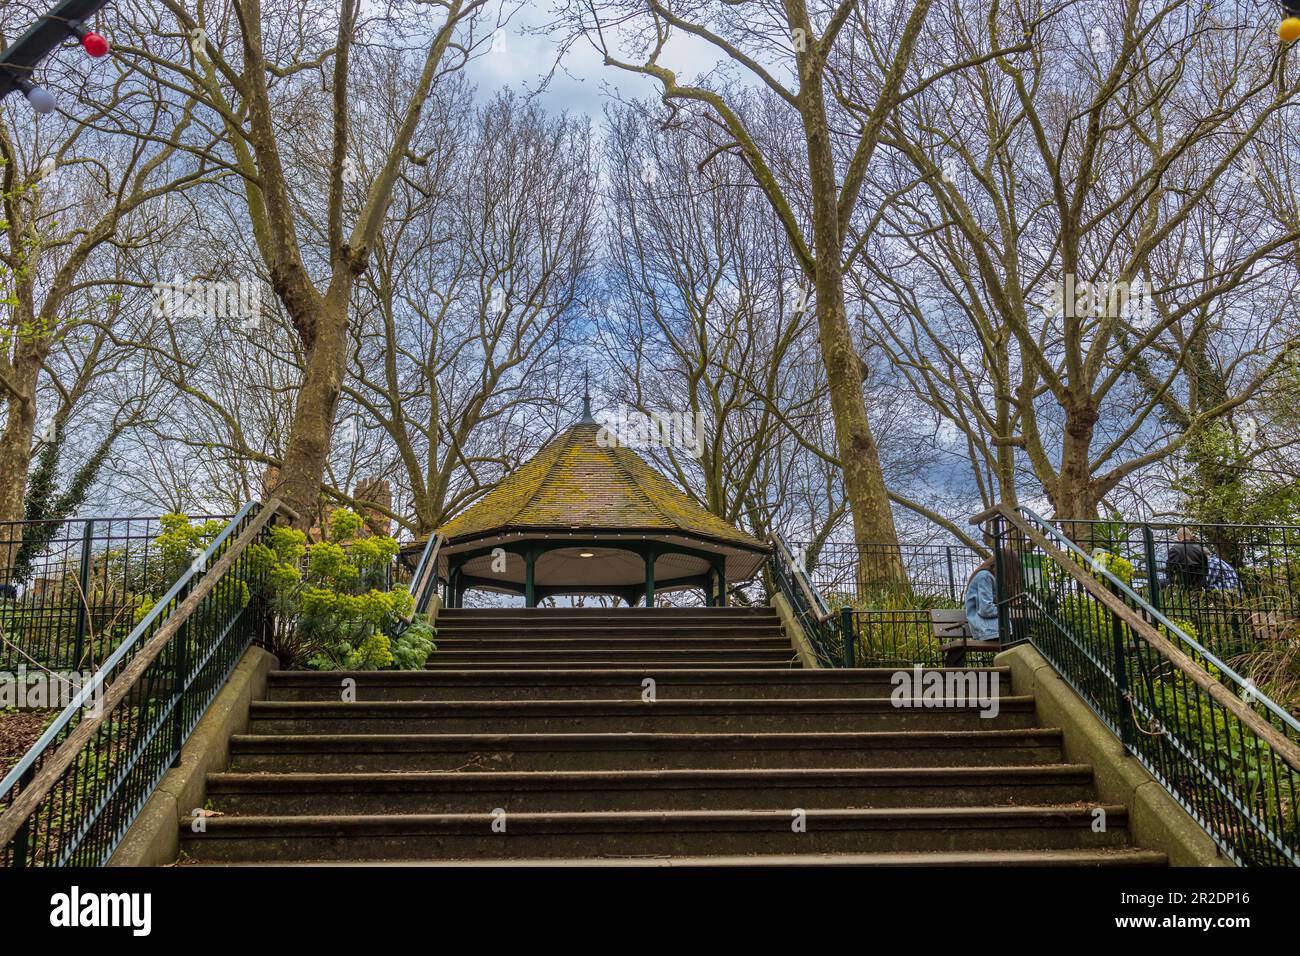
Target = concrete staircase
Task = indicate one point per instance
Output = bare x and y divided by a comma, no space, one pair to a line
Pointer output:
530,738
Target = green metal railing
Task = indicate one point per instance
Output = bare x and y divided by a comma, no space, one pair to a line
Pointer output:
815,619
423,582
1255,608
1228,754
73,796
901,637
69,589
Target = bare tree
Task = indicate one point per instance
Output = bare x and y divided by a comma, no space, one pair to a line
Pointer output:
77,189
267,74
1080,208
704,318
788,52
468,346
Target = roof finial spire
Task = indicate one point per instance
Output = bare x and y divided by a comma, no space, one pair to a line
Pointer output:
587,418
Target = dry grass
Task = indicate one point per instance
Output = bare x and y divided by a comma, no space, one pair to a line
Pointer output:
19,729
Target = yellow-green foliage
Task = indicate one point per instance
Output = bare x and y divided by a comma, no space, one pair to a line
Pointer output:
1120,567
338,614
180,542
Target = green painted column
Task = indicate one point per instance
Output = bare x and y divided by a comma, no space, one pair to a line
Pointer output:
722,585
650,578
530,566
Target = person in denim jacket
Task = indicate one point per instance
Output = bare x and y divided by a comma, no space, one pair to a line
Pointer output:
981,595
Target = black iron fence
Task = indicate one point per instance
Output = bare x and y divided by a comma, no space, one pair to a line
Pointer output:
76,792
844,573
1225,751
1236,588
900,638
70,591
890,622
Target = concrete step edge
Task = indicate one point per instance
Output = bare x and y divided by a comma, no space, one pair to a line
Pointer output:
675,705
1103,856
982,817
801,740
230,781
726,674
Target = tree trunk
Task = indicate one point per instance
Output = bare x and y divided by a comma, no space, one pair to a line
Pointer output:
307,452
16,456
879,560
1075,495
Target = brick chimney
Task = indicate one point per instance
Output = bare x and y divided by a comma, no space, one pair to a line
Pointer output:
380,492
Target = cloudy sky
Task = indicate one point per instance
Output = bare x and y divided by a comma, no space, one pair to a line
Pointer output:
525,53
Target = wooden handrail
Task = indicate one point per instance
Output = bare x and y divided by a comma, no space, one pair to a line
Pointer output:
30,797
1285,748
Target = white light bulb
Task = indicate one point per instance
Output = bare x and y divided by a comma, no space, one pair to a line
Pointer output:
41,99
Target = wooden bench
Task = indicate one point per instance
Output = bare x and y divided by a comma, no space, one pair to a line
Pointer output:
949,627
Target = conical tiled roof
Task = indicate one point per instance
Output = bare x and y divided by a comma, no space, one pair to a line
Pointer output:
576,483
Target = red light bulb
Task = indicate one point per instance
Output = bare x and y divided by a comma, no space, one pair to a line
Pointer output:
94,44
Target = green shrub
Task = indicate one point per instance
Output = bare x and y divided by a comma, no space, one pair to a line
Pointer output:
1118,566
337,615
895,627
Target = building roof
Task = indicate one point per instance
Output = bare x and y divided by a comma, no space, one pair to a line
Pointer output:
576,483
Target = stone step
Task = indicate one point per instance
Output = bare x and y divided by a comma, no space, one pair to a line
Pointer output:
326,753
563,643
622,684
1122,856
645,664
544,655
666,833
279,794
534,615
627,716
611,631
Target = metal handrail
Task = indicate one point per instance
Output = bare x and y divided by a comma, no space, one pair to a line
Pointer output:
1231,700
816,605
426,566
1182,523
1233,767
199,580
815,618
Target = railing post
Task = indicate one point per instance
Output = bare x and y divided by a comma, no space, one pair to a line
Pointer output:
181,663
1153,574
83,596
23,835
952,579
999,582
847,635
1120,667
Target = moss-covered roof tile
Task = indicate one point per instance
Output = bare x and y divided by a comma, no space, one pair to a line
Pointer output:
574,482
